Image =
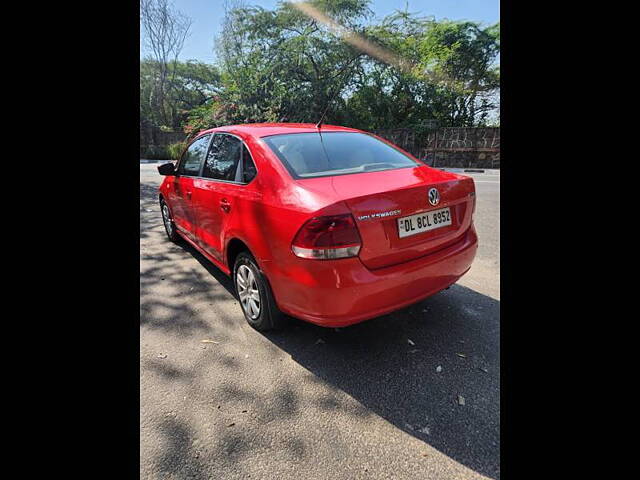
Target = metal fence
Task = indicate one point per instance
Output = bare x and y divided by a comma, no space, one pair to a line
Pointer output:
456,147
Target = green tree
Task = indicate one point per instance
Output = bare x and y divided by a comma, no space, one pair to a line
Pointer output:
287,65
281,65
451,75
189,85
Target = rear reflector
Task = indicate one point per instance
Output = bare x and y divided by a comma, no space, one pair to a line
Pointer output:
329,237
326,253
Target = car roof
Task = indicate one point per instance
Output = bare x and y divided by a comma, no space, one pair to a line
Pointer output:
266,129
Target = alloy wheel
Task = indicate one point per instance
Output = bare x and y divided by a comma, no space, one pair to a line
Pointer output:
166,218
248,291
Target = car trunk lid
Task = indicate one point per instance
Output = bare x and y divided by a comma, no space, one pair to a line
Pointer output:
378,199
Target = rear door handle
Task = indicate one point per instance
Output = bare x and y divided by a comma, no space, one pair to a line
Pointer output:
225,205
189,195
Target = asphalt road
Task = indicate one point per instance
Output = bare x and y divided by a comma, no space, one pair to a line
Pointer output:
361,402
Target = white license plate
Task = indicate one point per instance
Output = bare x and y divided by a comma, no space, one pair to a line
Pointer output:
423,222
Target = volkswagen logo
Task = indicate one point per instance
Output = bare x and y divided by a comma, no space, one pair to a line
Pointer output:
434,197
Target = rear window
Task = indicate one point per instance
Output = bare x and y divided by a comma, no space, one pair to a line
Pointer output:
308,155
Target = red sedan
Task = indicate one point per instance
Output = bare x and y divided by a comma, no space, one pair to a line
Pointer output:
331,225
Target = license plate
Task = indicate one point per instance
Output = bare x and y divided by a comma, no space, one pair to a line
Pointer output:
423,222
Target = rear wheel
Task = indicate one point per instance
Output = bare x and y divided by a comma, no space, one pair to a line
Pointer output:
169,225
256,297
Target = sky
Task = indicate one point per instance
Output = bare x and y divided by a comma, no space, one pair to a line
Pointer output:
207,18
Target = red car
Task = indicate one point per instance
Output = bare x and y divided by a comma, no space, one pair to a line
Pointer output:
331,225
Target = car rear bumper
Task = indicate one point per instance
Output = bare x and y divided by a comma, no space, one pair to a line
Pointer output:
338,293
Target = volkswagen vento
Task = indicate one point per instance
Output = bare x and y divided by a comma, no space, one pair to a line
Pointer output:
327,224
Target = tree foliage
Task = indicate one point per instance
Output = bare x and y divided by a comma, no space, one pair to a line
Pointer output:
189,85
281,65
452,80
284,65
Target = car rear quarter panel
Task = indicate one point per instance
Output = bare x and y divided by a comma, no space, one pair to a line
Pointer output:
268,211
268,224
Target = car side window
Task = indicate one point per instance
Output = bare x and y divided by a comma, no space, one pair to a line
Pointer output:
223,158
192,158
249,169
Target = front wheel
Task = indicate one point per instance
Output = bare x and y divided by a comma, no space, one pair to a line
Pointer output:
255,295
169,225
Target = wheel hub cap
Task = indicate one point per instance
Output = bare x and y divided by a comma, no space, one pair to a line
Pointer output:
248,292
166,219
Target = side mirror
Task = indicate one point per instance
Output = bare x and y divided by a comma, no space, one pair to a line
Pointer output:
167,169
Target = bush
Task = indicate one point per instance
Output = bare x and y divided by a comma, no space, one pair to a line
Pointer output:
159,152
175,149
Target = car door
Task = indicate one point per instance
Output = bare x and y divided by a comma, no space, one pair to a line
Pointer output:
181,196
216,192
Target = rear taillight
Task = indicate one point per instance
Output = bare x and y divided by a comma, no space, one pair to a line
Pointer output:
326,238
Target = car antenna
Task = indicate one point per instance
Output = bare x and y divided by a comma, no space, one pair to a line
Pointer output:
339,87
331,99
319,124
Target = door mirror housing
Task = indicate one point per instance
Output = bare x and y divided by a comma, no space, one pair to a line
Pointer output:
167,169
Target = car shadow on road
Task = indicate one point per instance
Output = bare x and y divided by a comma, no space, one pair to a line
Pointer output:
215,272
390,365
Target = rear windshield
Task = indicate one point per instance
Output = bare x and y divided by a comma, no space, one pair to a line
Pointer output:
308,155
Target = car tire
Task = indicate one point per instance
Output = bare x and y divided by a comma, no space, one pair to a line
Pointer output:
169,224
253,290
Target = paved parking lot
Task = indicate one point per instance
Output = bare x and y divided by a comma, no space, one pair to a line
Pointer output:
362,402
